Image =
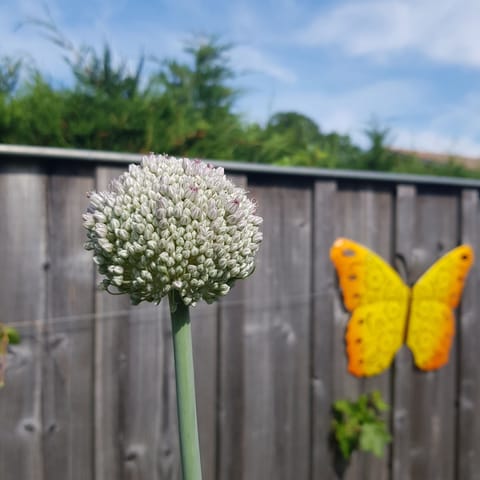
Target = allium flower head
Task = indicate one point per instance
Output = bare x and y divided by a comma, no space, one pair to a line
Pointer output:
172,223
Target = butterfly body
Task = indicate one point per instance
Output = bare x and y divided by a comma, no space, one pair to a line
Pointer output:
386,313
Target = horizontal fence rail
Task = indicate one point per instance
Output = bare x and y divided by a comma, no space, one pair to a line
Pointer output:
90,390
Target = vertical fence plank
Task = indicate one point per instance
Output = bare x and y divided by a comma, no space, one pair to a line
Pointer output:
111,325
148,397
204,319
23,299
231,388
468,448
348,223
140,392
68,363
364,215
378,206
277,339
322,329
402,389
231,377
433,393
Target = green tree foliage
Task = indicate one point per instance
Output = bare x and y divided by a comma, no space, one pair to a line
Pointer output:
34,115
96,75
200,99
377,156
292,139
184,108
9,74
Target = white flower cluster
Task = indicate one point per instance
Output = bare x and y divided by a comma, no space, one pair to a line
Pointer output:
172,223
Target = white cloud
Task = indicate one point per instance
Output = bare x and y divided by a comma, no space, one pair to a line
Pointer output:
252,60
356,27
436,142
443,30
452,129
460,118
348,111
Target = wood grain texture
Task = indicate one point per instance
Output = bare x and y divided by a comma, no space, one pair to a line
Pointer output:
402,386
468,447
68,353
324,295
378,206
277,339
364,215
110,367
231,388
141,392
433,393
94,398
204,320
23,259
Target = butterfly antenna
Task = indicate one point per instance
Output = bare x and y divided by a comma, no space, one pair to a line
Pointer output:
400,264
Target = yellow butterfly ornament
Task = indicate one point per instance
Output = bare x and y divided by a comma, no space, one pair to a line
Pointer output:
386,313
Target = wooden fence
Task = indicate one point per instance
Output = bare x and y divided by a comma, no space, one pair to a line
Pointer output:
90,390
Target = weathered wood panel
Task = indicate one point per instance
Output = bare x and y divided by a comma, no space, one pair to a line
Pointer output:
324,294
90,391
433,393
231,386
111,326
204,320
364,215
141,392
402,387
378,207
23,259
68,343
276,369
467,449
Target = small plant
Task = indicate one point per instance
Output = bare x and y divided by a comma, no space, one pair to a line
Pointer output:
358,425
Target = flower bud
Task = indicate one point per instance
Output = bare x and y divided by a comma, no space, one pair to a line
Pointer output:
172,224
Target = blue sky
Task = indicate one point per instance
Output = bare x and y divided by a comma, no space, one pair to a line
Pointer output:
413,65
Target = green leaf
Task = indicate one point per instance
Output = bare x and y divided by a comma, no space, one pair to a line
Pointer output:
377,401
374,438
358,425
342,406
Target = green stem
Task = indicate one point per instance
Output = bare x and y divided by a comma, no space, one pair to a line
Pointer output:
185,380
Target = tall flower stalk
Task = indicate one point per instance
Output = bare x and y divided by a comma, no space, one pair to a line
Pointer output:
175,227
185,382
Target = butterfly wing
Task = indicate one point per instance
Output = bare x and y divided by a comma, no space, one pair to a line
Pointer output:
378,300
438,291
